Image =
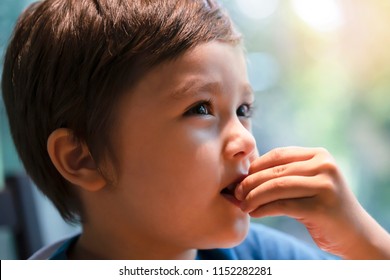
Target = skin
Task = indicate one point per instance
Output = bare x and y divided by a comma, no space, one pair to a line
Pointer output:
181,136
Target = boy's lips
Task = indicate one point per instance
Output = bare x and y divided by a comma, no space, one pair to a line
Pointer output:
228,192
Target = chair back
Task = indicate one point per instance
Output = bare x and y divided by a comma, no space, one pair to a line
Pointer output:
18,212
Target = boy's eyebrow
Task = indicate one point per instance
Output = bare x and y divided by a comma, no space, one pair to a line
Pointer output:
248,90
194,86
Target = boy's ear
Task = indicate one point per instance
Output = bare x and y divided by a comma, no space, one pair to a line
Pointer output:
73,160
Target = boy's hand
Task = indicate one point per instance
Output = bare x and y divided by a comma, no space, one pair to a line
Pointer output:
306,184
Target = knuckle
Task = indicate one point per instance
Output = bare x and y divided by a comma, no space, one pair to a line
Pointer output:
249,181
327,186
277,154
279,183
328,165
279,170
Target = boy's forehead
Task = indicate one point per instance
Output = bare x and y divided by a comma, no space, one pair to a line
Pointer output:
207,67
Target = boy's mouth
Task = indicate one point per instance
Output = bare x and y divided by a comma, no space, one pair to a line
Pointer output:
228,192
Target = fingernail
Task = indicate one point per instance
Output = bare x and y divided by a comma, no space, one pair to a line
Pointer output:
243,207
239,193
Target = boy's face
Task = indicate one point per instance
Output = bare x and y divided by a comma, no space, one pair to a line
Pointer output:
181,137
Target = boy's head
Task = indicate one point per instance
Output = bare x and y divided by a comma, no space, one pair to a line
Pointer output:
135,117
70,60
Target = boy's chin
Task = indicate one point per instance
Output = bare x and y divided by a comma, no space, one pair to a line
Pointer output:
234,240
229,238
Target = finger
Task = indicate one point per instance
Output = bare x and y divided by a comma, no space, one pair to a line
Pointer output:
299,208
300,168
280,156
282,188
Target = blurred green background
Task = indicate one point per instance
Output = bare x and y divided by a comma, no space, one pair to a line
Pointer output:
321,73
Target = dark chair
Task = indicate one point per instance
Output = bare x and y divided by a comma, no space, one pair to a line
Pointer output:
18,212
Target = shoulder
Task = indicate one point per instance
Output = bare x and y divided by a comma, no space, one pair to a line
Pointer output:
55,251
263,242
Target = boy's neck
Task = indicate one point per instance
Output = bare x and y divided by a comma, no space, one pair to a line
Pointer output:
102,246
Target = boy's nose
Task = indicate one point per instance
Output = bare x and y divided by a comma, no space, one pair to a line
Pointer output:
240,142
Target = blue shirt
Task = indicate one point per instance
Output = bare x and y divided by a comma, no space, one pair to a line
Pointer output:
261,243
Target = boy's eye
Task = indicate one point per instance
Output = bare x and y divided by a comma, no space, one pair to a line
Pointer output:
245,110
202,108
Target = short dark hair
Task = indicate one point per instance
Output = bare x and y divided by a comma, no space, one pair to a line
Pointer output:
68,61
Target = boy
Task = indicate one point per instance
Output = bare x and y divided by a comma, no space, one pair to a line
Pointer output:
133,117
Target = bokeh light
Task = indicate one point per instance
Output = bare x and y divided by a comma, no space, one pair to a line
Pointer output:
257,9
323,15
